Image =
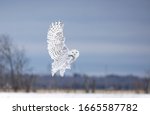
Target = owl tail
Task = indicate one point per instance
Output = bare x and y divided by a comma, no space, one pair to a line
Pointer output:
54,69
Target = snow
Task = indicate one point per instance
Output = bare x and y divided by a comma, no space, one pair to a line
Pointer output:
71,95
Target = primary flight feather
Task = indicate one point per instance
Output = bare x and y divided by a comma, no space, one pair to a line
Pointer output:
58,51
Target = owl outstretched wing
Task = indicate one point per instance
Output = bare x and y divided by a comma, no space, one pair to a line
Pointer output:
56,41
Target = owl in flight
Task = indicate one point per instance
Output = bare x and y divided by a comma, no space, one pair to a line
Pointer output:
58,51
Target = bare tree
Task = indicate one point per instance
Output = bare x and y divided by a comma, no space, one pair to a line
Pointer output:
14,60
86,84
93,85
28,81
1,77
147,82
6,54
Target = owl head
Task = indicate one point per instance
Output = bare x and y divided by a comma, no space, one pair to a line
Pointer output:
74,53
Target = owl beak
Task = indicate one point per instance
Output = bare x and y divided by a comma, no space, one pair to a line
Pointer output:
72,56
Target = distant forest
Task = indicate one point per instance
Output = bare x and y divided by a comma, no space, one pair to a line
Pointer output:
92,83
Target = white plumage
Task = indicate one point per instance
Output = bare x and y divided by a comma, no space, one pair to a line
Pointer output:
58,51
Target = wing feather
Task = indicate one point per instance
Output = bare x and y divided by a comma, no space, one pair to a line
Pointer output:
55,39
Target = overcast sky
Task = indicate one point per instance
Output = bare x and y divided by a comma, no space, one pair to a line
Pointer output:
113,36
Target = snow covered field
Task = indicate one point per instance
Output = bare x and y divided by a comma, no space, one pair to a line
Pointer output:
13,103
71,95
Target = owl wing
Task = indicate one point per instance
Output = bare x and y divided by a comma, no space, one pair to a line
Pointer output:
56,41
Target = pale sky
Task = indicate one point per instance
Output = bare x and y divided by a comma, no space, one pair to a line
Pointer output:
113,36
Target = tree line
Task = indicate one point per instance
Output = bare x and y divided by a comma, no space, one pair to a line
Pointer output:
92,84
13,66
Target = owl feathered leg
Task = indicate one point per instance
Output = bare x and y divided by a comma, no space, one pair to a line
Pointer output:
68,67
64,67
53,72
62,71
57,66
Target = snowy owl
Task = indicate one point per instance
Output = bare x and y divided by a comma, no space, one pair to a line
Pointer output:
58,51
